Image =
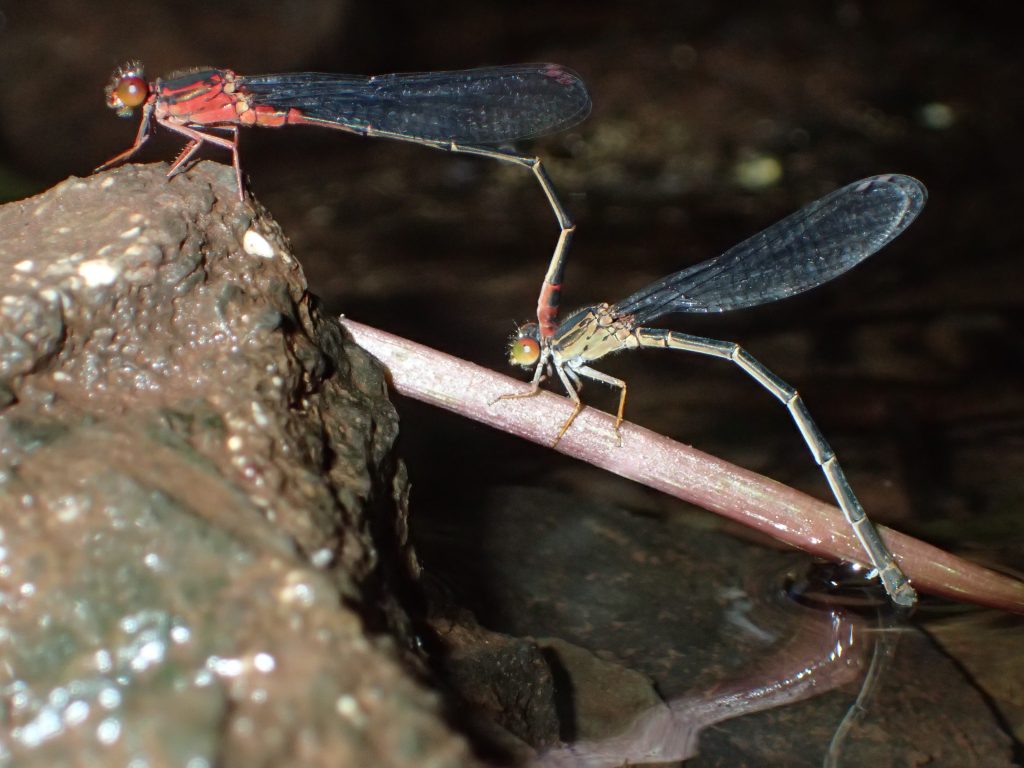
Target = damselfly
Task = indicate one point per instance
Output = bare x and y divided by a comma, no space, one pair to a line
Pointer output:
469,111
804,250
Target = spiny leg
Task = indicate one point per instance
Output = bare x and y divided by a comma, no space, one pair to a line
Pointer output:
140,138
604,378
538,377
237,163
184,156
889,572
534,390
198,138
571,385
571,379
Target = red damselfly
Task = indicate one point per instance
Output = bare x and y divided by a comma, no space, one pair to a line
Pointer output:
810,247
469,111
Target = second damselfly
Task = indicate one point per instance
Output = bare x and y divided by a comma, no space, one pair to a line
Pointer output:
812,246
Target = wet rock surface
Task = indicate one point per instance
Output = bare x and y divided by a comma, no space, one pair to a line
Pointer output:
202,516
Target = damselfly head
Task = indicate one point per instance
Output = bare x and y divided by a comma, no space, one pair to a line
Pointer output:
524,346
127,89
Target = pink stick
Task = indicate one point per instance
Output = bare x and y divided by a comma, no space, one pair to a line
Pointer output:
679,470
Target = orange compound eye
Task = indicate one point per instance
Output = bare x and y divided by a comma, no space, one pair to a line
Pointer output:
131,91
524,351
127,89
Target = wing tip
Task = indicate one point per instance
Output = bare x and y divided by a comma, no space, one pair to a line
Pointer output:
913,194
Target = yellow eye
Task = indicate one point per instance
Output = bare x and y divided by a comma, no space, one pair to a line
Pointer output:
524,350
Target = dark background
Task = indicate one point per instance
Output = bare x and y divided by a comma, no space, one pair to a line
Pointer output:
710,121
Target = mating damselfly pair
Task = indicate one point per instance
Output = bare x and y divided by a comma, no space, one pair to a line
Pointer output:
477,111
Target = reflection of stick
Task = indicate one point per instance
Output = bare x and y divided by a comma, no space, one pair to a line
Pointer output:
658,462
826,655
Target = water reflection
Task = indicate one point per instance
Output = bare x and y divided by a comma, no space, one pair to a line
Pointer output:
735,670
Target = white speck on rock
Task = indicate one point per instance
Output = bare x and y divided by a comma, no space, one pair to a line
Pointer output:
97,272
256,244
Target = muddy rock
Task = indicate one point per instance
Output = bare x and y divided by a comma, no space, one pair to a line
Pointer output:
201,514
